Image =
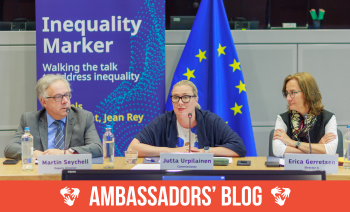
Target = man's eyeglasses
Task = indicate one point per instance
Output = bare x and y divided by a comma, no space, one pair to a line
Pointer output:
291,94
185,99
58,98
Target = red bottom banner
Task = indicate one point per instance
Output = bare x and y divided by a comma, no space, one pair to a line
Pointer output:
173,195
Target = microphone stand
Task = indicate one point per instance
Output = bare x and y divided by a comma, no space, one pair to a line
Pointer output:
189,135
308,133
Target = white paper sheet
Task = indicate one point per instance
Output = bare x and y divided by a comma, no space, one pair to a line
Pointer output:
146,167
281,162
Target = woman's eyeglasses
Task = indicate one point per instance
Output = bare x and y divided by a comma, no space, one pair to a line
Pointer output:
291,94
185,98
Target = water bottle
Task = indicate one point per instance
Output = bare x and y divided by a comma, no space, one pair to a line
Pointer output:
108,148
346,146
27,150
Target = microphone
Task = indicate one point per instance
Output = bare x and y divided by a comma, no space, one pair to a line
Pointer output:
66,130
189,135
308,133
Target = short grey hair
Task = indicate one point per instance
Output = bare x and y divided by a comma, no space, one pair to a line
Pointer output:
45,81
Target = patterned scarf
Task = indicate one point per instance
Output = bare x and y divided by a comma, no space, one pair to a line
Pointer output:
299,130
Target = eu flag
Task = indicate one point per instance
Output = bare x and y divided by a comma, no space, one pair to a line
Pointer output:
210,61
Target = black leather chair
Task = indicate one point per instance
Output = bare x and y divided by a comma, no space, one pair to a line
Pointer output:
339,147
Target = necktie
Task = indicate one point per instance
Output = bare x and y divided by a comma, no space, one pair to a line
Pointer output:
59,137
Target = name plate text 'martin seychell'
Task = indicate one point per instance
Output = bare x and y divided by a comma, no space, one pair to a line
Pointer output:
51,164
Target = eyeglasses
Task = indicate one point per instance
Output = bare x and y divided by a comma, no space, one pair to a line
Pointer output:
291,94
185,99
58,98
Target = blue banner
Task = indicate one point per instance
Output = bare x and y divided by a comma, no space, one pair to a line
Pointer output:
113,54
210,61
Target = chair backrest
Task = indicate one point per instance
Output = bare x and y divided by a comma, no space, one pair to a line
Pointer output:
340,143
339,147
270,143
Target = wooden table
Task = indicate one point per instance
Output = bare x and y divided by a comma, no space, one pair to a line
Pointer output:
14,172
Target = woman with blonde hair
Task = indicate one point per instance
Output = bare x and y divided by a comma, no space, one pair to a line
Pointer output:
169,132
305,119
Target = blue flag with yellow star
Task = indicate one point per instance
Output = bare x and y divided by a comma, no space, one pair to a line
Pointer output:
210,61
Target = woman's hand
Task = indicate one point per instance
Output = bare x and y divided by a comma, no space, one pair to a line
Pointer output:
327,138
196,150
281,135
179,149
184,149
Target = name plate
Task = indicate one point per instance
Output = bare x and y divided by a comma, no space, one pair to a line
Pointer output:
187,161
54,164
311,162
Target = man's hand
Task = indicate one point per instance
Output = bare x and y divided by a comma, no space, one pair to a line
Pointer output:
36,153
55,152
327,138
281,135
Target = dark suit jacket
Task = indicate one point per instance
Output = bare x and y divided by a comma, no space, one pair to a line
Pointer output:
211,131
81,136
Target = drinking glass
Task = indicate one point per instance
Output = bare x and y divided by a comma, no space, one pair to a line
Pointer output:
131,157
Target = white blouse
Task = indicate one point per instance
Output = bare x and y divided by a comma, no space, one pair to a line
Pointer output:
279,147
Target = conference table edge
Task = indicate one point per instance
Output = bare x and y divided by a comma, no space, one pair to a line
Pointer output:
14,172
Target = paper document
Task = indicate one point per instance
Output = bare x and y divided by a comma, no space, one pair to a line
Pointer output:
146,167
275,159
281,161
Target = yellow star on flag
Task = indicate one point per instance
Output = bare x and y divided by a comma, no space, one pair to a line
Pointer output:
221,49
235,65
237,108
241,87
189,74
201,55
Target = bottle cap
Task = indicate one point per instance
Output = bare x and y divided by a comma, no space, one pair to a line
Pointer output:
110,127
28,128
348,126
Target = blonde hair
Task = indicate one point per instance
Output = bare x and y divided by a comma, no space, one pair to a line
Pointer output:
194,89
309,87
44,82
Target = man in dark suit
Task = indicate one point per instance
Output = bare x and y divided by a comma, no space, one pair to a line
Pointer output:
48,125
